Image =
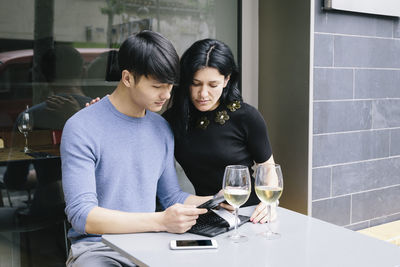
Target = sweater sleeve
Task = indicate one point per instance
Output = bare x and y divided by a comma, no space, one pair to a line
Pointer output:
168,189
78,174
257,136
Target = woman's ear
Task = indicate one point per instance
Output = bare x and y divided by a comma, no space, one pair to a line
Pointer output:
226,80
127,78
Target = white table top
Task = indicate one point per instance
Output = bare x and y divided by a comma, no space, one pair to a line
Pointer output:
305,242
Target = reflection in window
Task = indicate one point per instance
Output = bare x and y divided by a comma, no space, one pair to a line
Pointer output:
96,24
55,55
30,30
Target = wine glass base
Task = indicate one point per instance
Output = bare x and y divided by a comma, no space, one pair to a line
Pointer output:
237,238
27,150
270,235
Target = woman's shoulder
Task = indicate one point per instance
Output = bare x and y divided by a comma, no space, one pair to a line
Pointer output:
242,108
249,107
246,114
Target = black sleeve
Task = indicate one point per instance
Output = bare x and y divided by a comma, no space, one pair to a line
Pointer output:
257,136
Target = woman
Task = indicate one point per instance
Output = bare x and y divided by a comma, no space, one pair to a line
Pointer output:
213,127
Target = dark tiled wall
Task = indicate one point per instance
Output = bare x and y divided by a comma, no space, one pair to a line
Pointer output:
356,119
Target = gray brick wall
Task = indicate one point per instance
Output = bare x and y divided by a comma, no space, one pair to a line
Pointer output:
356,119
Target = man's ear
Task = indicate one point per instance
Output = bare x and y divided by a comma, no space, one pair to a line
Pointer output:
127,78
226,80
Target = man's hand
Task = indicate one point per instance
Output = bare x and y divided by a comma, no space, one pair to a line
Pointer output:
179,218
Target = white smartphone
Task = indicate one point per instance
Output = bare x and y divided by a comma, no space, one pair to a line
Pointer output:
194,244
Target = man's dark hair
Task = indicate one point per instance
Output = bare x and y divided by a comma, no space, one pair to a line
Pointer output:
150,54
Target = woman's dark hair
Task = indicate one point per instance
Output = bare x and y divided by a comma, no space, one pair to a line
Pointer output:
204,53
150,54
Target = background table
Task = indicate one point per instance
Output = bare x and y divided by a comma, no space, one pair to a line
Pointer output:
305,242
17,154
9,156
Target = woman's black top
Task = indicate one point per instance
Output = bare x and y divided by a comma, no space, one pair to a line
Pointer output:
232,134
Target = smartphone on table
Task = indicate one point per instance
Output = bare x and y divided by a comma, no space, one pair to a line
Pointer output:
194,244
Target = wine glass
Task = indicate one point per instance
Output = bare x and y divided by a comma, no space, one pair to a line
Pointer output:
237,187
268,187
25,125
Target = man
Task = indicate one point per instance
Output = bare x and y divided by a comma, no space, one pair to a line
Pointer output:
118,154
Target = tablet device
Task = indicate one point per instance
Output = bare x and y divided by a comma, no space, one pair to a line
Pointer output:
213,223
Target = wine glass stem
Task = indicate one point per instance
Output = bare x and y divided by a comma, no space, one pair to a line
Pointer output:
236,221
269,219
26,141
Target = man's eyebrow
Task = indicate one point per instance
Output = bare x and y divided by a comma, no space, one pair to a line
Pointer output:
158,82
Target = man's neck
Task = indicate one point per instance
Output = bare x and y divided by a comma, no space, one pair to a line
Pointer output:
122,101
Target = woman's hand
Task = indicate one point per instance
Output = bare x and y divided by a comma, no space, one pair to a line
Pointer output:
97,99
260,214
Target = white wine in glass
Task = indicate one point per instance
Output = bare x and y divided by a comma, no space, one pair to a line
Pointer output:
237,188
268,194
268,187
25,125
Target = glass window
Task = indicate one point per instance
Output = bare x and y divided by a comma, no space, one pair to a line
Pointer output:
57,55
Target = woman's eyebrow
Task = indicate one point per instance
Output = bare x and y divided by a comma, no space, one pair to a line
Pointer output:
216,81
